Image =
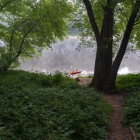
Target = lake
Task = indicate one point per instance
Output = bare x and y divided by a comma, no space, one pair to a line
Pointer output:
66,58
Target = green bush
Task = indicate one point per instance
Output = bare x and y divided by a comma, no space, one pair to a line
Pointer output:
32,109
128,83
22,79
131,113
53,113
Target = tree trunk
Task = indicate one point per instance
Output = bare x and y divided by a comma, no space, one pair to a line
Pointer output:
104,71
109,85
104,51
6,66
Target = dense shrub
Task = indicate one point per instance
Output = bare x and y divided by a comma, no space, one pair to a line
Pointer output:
128,83
131,113
22,79
30,109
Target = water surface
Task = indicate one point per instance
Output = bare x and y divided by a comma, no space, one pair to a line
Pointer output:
65,57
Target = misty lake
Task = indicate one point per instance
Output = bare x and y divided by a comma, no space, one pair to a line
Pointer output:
66,58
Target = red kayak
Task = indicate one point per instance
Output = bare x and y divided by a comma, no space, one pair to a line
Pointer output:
75,72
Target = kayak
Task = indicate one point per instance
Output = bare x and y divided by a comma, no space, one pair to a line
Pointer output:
75,72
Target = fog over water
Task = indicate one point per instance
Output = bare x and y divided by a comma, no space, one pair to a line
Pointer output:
65,57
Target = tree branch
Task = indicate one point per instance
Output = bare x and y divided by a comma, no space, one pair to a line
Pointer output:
11,40
6,4
126,35
12,35
92,20
24,37
137,19
137,23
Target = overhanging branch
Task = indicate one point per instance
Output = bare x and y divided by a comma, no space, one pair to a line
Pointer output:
92,20
11,39
126,35
24,37
12,35
6,4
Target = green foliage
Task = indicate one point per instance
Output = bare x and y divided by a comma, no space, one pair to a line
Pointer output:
27,79
6,61
131,113
128,83
37,25
37,107
122,12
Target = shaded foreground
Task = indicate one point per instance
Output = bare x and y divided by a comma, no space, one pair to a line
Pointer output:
117,131
62,109
56,107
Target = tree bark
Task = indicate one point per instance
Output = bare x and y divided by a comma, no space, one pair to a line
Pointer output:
104,51
109,85
104,71
92,21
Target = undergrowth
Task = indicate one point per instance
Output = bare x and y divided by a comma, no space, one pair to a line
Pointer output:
131,112
35,106
130,84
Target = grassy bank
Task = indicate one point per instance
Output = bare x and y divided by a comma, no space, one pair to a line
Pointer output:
131,112
34,106
130,84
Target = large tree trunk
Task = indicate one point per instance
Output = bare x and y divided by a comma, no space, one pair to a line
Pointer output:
105,72
104,51
109,85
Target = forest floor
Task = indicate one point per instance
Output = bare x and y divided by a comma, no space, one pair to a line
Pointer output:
117,131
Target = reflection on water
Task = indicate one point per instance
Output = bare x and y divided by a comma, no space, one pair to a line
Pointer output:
65,57
124,70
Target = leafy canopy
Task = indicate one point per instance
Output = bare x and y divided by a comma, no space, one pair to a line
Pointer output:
122,11
25,30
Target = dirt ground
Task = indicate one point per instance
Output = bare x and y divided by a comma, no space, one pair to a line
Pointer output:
117,131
